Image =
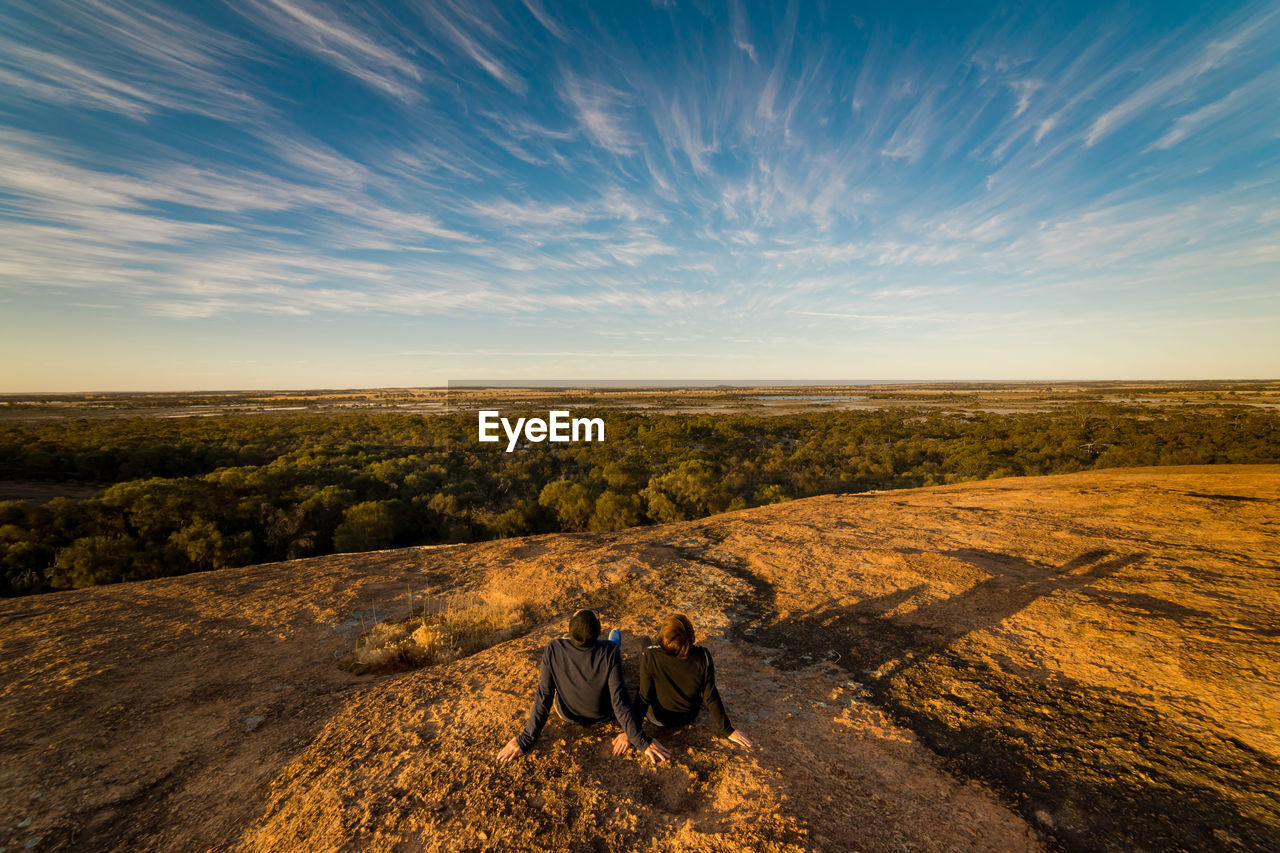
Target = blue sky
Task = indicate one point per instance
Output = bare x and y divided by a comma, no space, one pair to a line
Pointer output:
310,193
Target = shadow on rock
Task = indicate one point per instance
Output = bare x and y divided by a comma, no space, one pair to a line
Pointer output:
1091,768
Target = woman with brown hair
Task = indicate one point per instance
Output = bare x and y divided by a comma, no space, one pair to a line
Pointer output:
677,678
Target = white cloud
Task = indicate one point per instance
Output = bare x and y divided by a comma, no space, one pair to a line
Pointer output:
740,27
601,112
340,42
910,139
553,26
1023,90
134,59
1186,72
456,22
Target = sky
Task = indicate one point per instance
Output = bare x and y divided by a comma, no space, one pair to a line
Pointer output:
324,194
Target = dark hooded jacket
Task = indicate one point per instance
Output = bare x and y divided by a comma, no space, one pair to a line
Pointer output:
586,684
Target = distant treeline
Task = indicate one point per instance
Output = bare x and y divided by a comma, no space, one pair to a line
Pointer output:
188,494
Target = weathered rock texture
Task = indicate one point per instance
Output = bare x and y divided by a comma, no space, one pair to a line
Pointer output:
1088,662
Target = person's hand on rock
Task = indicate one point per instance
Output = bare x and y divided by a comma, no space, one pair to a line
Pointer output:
657,752
510,751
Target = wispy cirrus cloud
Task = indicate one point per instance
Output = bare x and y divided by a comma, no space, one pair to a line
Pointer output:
601,110
910,138
1185,70
134,59
342,41
553,26
594,169
475,37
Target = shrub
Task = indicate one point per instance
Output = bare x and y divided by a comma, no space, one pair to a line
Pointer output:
461,628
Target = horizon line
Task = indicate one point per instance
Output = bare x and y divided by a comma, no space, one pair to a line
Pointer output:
644,384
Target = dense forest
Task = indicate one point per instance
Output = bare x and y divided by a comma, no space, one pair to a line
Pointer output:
188,494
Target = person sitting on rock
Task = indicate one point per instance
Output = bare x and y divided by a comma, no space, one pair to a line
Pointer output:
582,679
676,679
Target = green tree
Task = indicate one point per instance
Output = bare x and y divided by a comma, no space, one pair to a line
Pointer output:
516,521
615,512
205,547
367,526
93,560
24,567
571,503
689,491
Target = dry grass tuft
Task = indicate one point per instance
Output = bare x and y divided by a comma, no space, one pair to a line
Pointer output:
446,630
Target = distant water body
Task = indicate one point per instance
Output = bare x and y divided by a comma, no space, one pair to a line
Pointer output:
806,398
458,384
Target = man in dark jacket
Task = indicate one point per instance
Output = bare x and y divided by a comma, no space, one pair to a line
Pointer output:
582,679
